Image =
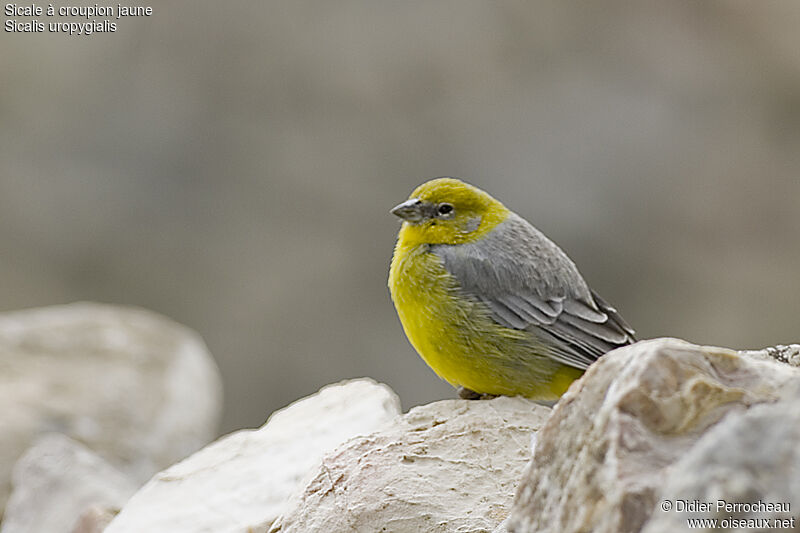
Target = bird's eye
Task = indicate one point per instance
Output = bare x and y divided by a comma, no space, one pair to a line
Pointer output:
445,209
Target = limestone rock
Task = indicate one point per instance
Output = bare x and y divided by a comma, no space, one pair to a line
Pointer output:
135,387
752,456
55,482
789,354
95,519
241,482
450,466
605,452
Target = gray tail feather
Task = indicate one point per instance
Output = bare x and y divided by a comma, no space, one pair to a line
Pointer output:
615,320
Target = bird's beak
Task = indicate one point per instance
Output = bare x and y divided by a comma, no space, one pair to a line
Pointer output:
410,210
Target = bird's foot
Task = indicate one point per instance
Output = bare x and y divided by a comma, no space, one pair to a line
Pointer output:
467,394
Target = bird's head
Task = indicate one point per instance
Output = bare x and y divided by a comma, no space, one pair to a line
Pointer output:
448,211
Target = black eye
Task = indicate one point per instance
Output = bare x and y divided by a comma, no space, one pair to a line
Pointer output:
445,209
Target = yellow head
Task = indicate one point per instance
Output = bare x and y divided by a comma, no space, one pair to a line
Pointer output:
448,211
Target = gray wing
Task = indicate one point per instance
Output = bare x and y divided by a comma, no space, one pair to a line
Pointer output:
529,283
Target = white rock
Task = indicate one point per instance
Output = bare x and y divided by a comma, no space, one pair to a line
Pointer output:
241,482
137,388
450,466
751,456
608,447
55,482
95,519
784,353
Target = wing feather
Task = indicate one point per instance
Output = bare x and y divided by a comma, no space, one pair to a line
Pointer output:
530,309
529,283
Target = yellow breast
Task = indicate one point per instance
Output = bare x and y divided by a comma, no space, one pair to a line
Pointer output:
457,337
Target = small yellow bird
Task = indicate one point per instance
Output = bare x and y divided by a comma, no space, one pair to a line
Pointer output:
492,305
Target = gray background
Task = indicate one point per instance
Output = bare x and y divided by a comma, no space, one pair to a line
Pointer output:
231,165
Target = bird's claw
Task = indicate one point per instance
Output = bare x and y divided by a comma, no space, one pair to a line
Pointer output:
467,394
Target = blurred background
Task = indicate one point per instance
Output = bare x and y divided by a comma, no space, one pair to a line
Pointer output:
232,164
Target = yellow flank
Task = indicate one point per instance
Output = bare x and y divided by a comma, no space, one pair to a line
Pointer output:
454,333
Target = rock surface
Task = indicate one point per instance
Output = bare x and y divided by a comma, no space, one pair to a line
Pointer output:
95,519
450,466
241,482
135,387
789,354
608,450
753,456
55,482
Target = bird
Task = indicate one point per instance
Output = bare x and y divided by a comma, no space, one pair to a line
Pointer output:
491,304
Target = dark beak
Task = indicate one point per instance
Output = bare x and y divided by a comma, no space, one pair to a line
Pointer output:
410,210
